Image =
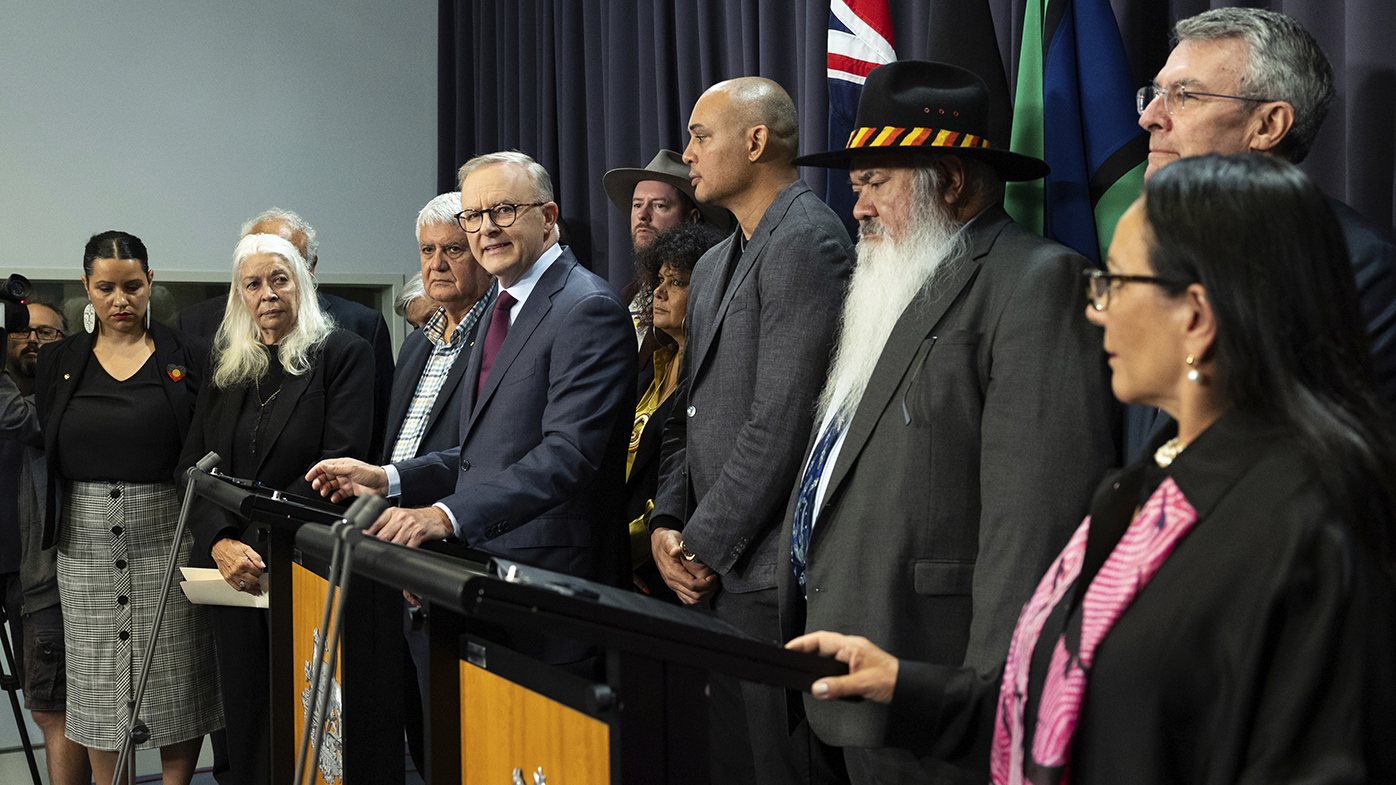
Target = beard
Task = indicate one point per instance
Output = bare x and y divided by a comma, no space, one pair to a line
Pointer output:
889,274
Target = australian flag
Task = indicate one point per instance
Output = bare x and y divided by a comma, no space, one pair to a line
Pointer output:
860,39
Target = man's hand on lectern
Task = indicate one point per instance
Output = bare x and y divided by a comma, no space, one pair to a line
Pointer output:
412,526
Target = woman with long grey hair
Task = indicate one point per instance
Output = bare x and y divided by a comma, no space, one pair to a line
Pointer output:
287,390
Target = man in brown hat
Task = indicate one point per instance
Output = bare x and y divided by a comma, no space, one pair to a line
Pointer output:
966,418
658,198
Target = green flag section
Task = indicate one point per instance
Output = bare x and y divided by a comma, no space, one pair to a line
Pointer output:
1074,108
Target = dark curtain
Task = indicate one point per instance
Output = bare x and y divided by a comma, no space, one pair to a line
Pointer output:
584,87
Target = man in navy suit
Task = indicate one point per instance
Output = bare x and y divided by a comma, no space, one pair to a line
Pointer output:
1248,80
202,319
546,411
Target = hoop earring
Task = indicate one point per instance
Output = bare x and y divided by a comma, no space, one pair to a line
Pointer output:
89,318
1194,375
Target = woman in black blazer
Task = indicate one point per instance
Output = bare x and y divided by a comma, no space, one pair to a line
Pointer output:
286,389
662,268
1225,614
115,403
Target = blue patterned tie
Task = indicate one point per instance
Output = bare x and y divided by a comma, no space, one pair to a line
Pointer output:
809,486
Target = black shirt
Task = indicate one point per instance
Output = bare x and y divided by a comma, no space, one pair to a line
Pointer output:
119,430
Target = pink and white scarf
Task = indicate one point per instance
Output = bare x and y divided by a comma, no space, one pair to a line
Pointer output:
1151,535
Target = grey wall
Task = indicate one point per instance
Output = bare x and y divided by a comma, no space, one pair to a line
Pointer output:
178,119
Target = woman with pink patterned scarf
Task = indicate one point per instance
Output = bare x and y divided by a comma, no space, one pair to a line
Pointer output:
1227,612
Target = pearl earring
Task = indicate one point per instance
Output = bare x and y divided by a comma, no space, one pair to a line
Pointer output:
1194,375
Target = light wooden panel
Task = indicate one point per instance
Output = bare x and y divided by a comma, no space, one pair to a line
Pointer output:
506,727
308,592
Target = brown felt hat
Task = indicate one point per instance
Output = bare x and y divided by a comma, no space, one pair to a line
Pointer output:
667,167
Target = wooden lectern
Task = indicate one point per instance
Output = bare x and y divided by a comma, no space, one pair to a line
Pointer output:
500,717
364,743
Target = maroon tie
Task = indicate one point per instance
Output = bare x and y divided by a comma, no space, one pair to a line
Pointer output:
494,338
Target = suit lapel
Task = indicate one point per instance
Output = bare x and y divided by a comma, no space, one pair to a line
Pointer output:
744,263
170,358
914,327
534,309
410,365
70,362
461,364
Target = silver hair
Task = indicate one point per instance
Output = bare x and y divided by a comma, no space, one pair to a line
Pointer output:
441,210
1285,63
312,243
237,346
410,292
542,183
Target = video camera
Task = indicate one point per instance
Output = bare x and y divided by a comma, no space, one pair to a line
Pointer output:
13,294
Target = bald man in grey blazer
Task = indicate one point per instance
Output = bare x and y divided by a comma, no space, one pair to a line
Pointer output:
762,307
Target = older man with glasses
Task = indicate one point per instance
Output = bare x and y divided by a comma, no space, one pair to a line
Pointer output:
1249,80
28,577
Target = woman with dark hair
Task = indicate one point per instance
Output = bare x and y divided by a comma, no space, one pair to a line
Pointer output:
662,268
1225,614
286,389
115,403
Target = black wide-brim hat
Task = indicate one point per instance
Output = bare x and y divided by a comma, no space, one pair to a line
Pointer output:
917,106
666,167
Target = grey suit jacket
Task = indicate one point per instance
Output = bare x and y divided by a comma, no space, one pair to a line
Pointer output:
760,327
971,458
539,465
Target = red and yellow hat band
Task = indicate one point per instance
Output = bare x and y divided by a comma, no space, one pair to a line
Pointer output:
889,136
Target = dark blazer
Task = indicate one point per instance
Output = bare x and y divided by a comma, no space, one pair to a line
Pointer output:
1373,260
640,487
760,327
60,369
443,423
538,471
969,461
1260,651
203,319
318,415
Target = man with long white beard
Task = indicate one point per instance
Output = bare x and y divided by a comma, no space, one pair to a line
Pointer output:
966,419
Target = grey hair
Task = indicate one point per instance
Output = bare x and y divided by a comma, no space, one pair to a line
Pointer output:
410,292
441,210
238,345
312,243
1285,63
542,183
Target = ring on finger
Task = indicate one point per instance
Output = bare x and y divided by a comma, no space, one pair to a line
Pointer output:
242,584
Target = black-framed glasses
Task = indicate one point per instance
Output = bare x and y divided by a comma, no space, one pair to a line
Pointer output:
501,215
45,334
1099,285
1175,97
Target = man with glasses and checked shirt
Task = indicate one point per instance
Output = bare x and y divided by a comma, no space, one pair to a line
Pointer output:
28,573
1248,80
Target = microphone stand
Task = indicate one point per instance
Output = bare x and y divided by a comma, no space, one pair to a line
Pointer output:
360,515
138,732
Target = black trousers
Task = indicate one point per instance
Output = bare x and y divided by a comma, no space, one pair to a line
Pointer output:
782,748
242,642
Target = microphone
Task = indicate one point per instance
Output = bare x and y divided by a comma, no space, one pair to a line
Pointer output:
204,466
365,510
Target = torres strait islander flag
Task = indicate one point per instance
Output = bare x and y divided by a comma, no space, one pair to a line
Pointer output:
860,39
1075,110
